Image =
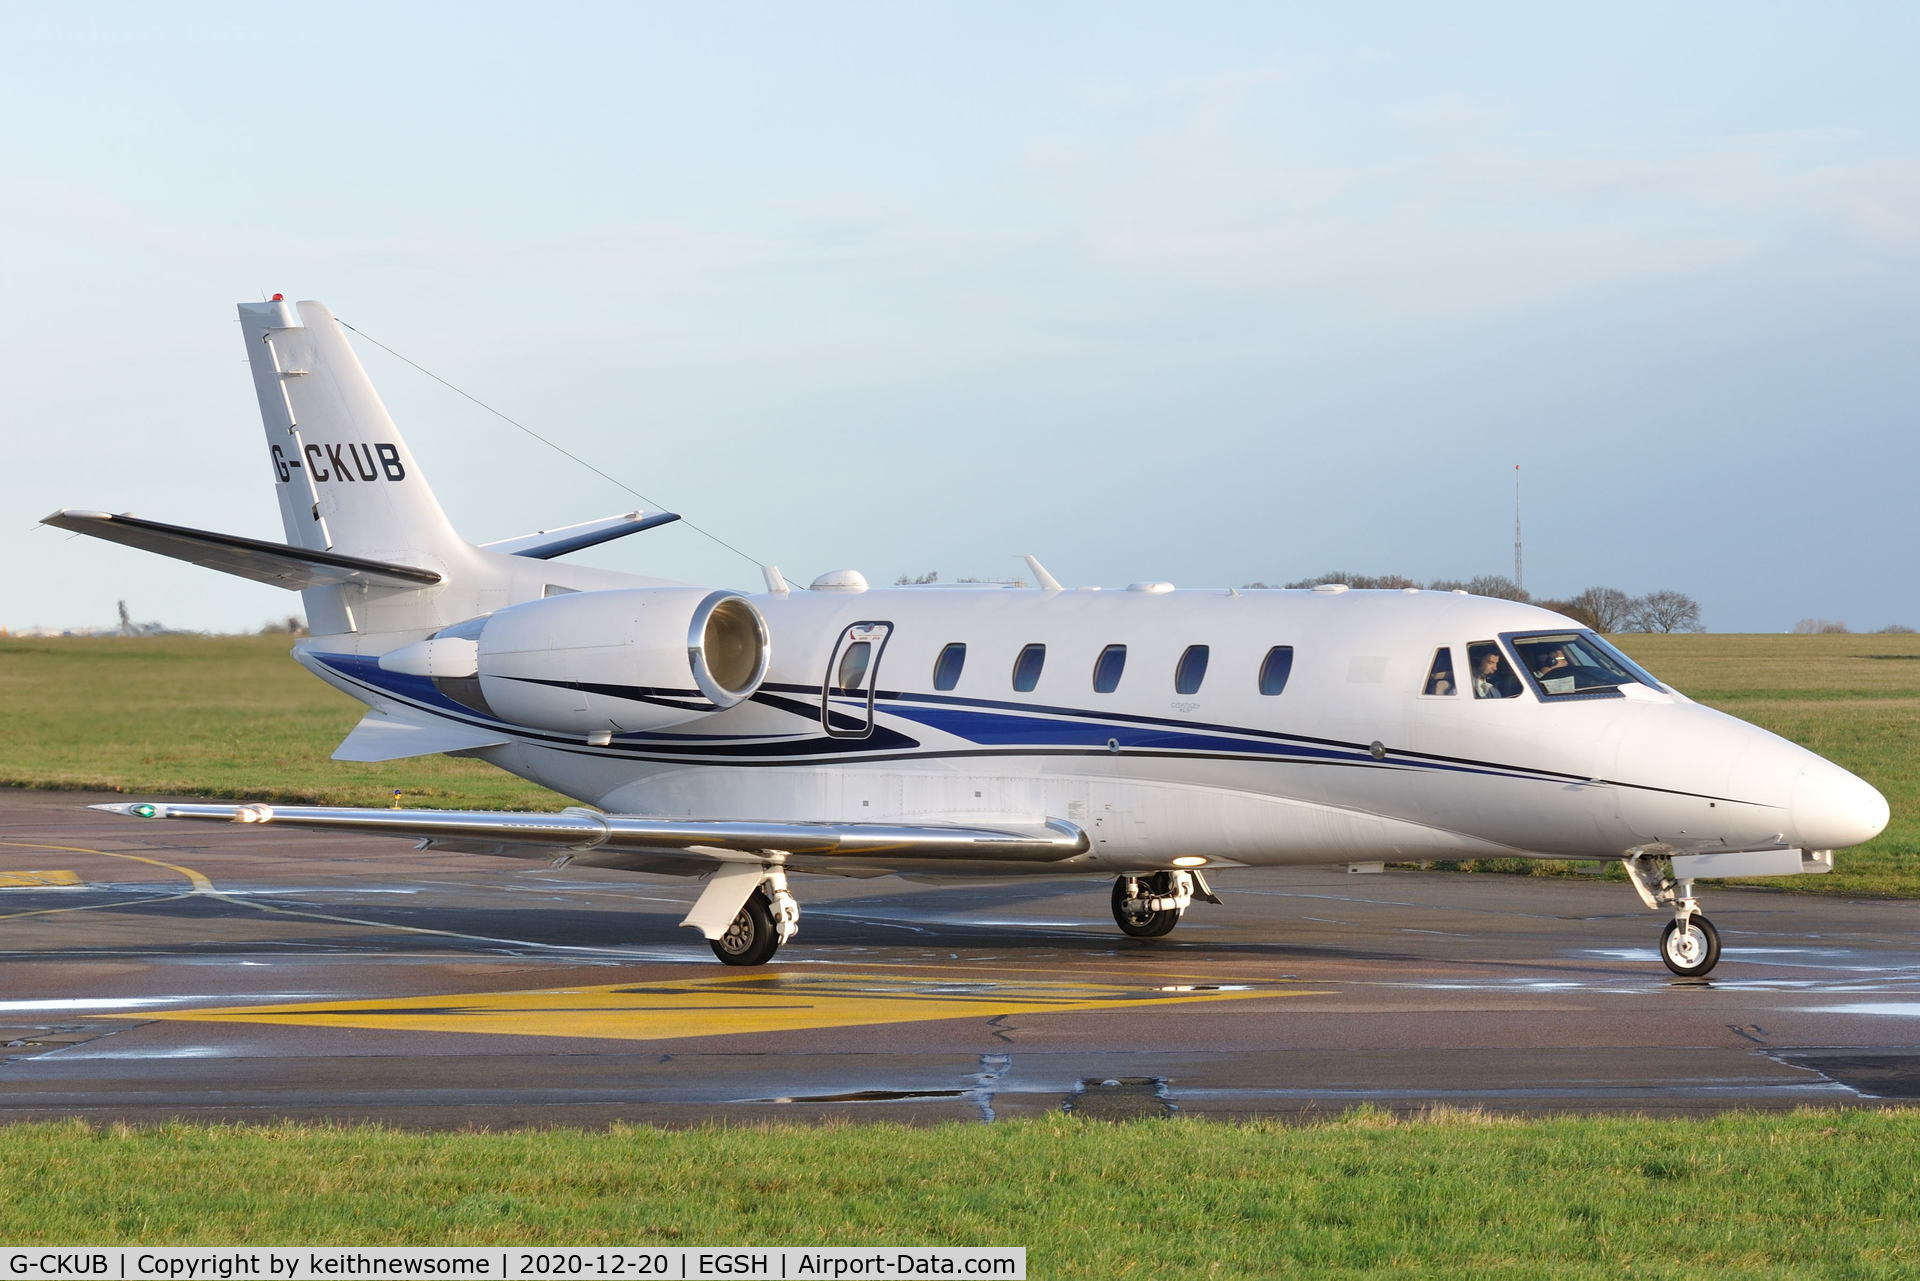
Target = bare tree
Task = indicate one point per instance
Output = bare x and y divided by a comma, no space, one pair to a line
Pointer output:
1605,609
1665,611
1820,627
1896,629
1571,609
931,576
1498,586
1376,582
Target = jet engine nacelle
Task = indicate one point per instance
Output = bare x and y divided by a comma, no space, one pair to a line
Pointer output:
643,658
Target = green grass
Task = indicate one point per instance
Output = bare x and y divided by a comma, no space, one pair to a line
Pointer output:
233,716
227,716
1813,1193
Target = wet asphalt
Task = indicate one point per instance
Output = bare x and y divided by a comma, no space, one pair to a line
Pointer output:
164,969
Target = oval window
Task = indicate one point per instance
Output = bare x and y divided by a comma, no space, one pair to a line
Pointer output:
1275,668
1026,668
1107,669
946,668
1191,671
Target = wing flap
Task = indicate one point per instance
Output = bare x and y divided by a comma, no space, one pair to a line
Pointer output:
719,840
276,564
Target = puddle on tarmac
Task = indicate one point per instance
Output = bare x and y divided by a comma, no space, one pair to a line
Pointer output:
866,1096
1120,1099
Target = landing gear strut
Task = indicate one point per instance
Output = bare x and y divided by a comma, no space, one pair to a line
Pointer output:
1147,907
1689,946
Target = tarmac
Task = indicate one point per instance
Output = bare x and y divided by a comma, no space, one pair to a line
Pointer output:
160,970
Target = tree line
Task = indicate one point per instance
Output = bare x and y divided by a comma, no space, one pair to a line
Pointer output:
1604,609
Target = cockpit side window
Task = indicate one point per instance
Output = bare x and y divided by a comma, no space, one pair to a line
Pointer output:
1489,672
1440,675
1576,665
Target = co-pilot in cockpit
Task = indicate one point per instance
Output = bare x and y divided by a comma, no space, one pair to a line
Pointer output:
1492,678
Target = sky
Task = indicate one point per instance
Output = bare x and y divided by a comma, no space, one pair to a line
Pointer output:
1212,293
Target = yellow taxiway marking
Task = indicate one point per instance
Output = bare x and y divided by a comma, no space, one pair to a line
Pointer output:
723,1006
37,880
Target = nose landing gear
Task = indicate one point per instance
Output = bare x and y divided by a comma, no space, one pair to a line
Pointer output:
1689,946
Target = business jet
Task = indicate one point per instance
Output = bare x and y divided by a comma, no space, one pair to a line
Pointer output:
1149,735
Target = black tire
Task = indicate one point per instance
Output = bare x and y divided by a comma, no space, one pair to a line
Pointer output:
1142,925
751,939
1690,962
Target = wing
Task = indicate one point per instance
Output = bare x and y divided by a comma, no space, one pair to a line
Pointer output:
638,843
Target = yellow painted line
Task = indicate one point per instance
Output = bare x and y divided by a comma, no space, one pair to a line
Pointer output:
40,880
194,878
727,1005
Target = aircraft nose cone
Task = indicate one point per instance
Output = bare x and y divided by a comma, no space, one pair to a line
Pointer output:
1832,809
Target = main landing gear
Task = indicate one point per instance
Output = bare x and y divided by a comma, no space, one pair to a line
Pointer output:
1147,907
746,913
1689,946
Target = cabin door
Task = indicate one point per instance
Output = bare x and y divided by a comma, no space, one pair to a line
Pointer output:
846,694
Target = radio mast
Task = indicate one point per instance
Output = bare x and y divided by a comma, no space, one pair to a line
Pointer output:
1518,581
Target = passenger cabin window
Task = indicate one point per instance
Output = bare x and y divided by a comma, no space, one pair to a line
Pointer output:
1440,675
1275,668
946,668
1026,668
1191,671
1107,669
1576,665
853,666
1490,674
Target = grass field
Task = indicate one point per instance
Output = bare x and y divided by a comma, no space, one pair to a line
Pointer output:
1808,1194
234,717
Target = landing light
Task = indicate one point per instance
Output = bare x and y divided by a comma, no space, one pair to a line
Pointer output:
1189,860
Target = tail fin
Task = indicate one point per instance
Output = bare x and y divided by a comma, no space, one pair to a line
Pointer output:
347,482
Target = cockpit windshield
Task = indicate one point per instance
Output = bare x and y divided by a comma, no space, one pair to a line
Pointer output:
1575,664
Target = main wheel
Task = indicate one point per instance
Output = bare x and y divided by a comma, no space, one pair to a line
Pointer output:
1692,951
1142,925
751,939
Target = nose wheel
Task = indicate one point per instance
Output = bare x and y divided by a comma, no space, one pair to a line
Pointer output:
1690,947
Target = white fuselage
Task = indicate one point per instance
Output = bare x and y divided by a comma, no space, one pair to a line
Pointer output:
1351,761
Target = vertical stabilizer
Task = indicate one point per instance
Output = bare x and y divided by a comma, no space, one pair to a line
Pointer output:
347,482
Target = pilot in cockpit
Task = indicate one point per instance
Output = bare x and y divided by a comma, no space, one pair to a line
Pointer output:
1550,661
1491,679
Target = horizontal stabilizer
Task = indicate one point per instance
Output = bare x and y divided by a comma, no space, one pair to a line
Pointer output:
548,543
382,738
274,563
720,840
